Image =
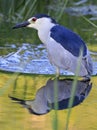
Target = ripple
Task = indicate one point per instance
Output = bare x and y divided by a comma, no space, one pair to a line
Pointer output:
32,59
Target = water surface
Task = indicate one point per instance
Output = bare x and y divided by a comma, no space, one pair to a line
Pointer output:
16,116
30,58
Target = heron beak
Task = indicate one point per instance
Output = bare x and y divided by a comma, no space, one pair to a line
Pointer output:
20,25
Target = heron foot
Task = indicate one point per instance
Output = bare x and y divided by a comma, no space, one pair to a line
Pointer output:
86,78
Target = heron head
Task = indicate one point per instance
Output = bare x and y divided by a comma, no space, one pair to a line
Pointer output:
37,22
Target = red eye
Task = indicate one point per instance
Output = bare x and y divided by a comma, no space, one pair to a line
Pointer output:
34,19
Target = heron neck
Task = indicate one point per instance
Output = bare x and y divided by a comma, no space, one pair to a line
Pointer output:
44,33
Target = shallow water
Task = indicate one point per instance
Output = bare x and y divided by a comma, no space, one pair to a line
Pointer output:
29,58
32,61
35,68
15,116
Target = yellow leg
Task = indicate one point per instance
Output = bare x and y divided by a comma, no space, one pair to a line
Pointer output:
57,72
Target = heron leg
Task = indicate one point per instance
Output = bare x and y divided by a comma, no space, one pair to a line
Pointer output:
57,72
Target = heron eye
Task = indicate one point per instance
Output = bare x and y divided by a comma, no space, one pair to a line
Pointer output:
34,19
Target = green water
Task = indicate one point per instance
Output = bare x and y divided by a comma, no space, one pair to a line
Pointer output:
15,116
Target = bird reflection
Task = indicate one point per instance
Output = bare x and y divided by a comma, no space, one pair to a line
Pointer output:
56,91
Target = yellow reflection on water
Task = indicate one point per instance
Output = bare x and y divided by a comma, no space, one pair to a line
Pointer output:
14,116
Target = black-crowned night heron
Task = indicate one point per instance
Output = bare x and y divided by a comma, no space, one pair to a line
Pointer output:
45,97
63,45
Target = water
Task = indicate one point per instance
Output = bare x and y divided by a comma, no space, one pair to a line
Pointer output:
13,114
29,58
32,62
34,69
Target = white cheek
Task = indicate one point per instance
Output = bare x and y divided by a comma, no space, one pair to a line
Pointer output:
32,25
